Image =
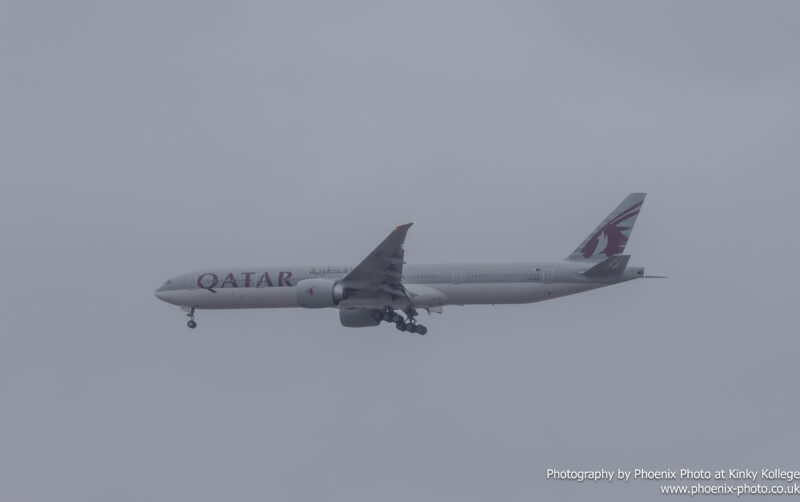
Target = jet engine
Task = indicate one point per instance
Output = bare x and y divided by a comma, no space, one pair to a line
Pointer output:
319,293
357,318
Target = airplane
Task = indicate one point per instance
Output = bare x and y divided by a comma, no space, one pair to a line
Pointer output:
382,286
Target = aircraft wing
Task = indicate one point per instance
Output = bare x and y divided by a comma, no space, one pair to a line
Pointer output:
382,269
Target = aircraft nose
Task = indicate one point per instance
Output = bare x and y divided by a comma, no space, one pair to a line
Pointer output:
160,294
161,291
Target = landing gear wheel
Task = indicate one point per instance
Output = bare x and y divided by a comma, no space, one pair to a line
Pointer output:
387,316
377,315
412,328
401,326
397,318
190,315
421,330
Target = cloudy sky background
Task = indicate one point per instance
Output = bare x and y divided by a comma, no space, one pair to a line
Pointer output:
146,139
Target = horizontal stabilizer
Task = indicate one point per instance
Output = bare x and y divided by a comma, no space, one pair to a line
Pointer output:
610,266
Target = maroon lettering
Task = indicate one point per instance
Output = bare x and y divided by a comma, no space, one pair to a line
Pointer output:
247,278
229,279
264,281
211,286
284,277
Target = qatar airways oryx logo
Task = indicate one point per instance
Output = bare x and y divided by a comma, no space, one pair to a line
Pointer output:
211,281
610,239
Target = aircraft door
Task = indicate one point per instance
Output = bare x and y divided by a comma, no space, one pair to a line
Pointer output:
548,275
458,276
192,282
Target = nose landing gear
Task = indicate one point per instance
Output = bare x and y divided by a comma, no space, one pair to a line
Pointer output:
192,324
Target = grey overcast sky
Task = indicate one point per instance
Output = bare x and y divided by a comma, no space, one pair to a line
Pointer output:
140,140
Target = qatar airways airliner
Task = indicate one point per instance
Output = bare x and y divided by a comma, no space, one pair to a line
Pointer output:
382,288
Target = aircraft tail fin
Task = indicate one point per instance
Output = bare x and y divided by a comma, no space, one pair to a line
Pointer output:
611,236
610,266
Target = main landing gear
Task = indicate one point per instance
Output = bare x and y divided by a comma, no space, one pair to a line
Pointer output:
191,322
388,315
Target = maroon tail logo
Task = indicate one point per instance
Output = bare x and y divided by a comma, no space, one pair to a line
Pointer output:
613,234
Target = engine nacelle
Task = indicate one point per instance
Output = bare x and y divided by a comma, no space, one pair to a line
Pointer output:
319,293
357,318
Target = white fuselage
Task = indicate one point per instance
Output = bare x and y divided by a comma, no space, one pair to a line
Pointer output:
427,285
